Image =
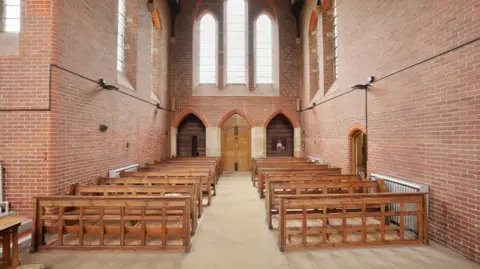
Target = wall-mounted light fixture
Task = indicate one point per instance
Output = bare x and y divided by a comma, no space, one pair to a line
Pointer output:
103,128
370,80
104,85
361,86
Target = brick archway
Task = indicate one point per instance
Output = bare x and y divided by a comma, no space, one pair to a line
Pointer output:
354,128
182,115
238,111
293,120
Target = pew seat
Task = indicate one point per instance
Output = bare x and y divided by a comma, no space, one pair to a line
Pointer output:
337,238
296,223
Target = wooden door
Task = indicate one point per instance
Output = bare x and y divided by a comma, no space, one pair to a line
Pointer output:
229,149
359,161
191,138
236,144
243,152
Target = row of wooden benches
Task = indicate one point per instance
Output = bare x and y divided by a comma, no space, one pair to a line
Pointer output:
156,208
314,206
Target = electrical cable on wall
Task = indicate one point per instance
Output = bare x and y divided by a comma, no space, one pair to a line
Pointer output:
101,82
396,72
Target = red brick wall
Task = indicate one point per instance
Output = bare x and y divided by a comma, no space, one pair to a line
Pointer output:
25,146
136,130
423,123
45,151
257,108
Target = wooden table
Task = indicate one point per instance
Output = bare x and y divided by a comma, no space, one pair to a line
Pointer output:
9,229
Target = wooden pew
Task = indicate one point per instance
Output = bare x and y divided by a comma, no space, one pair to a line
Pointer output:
157,181
204,178
161,191
258,162
216,160
203,171
296,170
300,177
320,185
163,223
353,220
284,165
183,167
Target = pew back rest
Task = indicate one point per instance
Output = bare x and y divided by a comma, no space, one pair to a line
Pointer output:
51,218
299,168
154,173
149,181
326,187
307,176
112,190
345,207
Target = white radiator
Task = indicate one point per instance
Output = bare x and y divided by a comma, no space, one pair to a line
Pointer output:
113,173
401,185
3,204
314,159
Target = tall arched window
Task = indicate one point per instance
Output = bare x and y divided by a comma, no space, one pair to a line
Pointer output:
263,50
121,36
335,40
236,42
10,16
208,50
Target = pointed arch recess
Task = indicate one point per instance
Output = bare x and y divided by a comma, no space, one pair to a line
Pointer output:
182,115
238,111
204,11
293,120
267,12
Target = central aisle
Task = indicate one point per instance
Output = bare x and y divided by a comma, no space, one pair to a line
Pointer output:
233,232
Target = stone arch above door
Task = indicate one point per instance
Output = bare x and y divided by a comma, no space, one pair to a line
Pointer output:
238,111
184,113
293,120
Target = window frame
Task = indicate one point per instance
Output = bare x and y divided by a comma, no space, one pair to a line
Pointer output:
227,83
272,47
121,36
5,18
198,50
335,51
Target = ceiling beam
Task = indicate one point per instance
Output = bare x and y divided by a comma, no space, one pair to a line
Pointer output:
296,8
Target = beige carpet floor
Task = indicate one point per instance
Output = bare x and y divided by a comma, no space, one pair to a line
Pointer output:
233,235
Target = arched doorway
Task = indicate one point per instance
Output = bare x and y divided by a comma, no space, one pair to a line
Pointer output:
191,138
236,144
280,142
359,152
